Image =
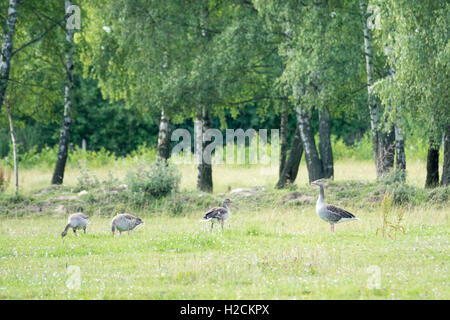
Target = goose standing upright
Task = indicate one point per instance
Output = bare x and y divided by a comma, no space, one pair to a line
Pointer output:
76,221
328,212
219,214
125,222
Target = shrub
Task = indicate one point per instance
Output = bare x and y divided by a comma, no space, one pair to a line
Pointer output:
394,177
95,159
155,181
403,193
87,180
360,150
4,179
391,218
441,194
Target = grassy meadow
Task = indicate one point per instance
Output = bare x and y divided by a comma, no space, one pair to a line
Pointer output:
273,247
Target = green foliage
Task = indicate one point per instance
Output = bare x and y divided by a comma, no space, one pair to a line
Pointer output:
394,177
156,180
360,150
399,192
87,180
391,217
414,35
5,178
441,194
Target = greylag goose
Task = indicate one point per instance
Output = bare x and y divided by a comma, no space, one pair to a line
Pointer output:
125,222
219,214
76,221
328,212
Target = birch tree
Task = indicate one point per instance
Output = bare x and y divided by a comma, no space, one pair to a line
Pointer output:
313,162
164,137
290,169
326,152
64,138
382,146
7,48
14,147
417,34
320,52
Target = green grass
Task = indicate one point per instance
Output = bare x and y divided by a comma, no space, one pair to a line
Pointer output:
285,253
270,249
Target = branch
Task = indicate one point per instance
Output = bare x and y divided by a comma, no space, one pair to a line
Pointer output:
257,99
39,14
31,85
37,38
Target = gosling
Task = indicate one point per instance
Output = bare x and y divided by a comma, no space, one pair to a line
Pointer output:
76,221
125,222
219,214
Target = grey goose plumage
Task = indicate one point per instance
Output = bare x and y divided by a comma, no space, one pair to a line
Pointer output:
218,214
76,221
125,222
328,212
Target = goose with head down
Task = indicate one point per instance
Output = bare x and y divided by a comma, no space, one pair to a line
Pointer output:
76,221
328,212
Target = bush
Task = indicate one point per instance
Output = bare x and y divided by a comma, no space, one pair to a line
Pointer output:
403,193
394,177
441,194
155,181
87,180
394,183
360,150
4,179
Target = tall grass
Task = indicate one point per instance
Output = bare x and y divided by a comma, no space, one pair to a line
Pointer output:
351,163
5,178
416,149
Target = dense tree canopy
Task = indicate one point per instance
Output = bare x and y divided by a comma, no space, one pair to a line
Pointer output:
333,68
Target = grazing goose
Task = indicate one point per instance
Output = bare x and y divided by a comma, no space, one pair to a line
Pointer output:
219,214
328,212
125,222
76,221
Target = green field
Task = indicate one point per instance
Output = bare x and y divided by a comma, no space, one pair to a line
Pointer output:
270,249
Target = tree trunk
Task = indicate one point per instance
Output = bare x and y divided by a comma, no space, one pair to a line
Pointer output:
432,179
7,48
400,157
445,181
326,152
64,138
290,170
374,111
204,176
388,150
284,139
164,137
313,162
13,140
399,143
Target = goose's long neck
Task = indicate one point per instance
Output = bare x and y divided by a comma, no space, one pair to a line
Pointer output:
226,207
321,199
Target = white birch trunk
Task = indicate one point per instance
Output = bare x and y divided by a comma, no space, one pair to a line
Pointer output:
64,138
14,145
7,48
204,168
372,103
400,157
313,161
325,149
164,137
445,181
